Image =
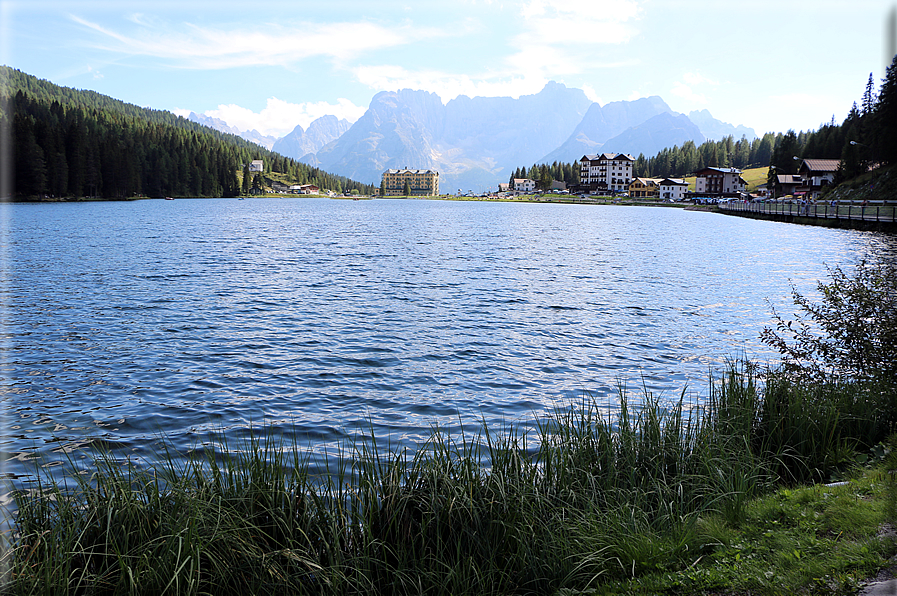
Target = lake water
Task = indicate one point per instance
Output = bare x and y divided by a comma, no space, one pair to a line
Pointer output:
126,321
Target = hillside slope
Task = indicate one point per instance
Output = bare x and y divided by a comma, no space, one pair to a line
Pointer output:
74,143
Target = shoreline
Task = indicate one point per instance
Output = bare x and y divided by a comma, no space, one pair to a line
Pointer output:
655,498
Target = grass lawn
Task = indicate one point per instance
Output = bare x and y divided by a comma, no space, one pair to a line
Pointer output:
807,540
754,177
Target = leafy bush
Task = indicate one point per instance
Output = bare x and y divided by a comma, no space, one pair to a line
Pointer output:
851,335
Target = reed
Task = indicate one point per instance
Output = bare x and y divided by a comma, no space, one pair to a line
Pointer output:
590,497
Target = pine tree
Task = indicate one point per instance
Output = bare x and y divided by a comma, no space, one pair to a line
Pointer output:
247,179
885,117
869,96
545,178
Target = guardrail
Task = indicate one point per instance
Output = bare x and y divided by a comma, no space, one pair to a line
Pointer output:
875,211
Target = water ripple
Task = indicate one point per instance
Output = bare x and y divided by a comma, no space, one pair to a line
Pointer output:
124,322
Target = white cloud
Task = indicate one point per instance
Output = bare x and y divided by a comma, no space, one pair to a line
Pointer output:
592,94
279,117
693,78
692,88
447,86
580,22
551,35
192,46
684,91
555,33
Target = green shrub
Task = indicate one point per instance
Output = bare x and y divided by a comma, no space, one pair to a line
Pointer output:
850,335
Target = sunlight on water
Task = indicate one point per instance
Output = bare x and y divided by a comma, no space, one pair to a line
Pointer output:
128,321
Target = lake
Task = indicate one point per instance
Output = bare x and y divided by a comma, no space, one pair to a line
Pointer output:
124,322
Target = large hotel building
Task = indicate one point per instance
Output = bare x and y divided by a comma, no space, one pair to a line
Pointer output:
423,183
606,172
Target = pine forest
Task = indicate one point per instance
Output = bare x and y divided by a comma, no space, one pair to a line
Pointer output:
69,143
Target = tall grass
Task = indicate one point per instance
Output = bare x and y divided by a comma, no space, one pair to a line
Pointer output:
589,497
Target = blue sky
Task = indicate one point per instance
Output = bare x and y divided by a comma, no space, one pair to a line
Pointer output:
770,65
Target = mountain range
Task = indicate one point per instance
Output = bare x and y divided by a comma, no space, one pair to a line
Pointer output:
476,142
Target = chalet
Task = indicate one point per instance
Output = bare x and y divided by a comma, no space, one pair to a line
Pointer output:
817,174
719,182
257,165
788,184
524,185
672,189
644,188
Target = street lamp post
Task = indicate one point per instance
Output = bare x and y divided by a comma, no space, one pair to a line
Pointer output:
871,165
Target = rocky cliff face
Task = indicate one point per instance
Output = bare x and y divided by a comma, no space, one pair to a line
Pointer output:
656,133
322,131
716,130
397,131
602,123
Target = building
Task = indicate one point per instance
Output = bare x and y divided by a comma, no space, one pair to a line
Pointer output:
787,184
524,185
305,189
608,172
719,182
257,165
558,185
422,183
673,189
817,174
644,188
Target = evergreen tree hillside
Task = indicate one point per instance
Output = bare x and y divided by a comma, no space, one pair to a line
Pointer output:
74,143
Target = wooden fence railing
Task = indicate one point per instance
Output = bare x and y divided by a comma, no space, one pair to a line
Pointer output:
872,211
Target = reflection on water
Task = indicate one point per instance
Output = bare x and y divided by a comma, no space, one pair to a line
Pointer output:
124,322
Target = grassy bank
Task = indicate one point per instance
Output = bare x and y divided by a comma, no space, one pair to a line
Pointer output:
671,497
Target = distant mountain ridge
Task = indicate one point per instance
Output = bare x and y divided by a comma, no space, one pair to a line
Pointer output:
301,142
715,130
475,142
253,136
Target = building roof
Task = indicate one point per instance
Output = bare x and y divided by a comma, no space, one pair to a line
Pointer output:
820,165
407,171
607,156
789,179
673,181
647,181
718,170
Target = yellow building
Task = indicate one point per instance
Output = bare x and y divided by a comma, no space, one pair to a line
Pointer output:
643,188
423,183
